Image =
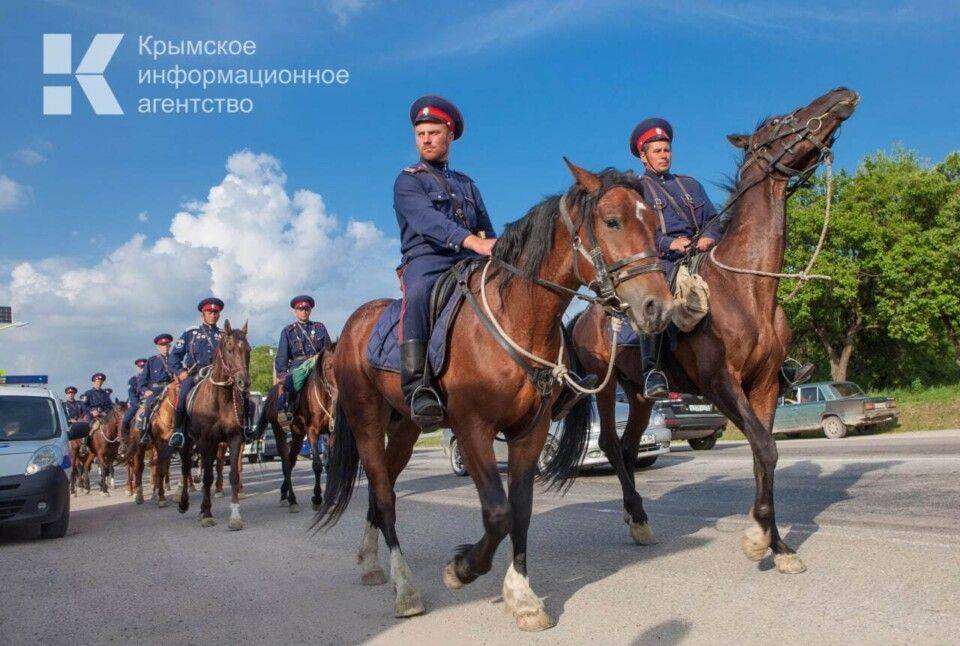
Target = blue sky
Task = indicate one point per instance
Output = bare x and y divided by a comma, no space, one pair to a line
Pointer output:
535,80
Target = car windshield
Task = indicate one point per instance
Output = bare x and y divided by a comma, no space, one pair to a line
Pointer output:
26,419
847,389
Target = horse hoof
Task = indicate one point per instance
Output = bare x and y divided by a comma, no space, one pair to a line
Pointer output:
138,500
316,506
755,543
408,605
129,493
788,564
642,534
294,508
104,493
162,503
235,525
193,487
374,577
535,622
450,578
207,522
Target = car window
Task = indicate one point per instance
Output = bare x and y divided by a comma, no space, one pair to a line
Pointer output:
25,419
847,389
808,394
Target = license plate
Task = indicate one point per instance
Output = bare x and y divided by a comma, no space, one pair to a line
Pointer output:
648,439
699,408
880,405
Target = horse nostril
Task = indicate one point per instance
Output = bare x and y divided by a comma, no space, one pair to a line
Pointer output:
651,308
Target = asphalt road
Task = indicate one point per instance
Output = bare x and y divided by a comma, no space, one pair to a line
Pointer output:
876,519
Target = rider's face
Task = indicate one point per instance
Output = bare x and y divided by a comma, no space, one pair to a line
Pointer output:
303,313
210,317
97,383
163,349
433,140
657,156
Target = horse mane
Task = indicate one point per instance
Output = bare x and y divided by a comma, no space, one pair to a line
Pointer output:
731,184
527,242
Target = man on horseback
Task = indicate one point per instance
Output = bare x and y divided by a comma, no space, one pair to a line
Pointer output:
97,403
153,379
133,399
688,225
442,220
73,407
299,341
193,351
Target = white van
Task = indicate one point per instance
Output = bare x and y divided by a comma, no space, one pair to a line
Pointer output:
34,457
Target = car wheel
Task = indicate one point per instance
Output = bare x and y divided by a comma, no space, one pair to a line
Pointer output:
546,455
646,463
253,458
703,443
833,427
456,459
58,528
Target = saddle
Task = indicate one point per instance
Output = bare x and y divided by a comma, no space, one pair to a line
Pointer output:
204,374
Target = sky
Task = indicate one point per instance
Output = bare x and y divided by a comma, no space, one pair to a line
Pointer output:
112,227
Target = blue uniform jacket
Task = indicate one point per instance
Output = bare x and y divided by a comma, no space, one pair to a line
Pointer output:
194,348
97,399
426,210
133,389
155,374
298,342
75,409
668,192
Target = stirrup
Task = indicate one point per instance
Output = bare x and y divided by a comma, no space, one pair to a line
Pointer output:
426,422
174,443
145,437
654,388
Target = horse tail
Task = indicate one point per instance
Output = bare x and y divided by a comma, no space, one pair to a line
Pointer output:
571,447
342,472
263,420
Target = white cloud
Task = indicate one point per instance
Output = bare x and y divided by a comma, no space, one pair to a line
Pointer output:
33,154
12,194
250,242
142,216
344,10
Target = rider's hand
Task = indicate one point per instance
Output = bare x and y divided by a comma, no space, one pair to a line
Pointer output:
277,380
680,244
147,393
482,246
183,375
703,244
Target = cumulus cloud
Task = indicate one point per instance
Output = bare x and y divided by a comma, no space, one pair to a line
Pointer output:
344,10
142,216
13,195
33,154
250,242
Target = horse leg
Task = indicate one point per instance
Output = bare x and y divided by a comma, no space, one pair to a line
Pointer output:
87,470
317,464
104,473
208,456
162,478
518,596
296,443
470,561
185,467
138,475
283,449
399,449
236,449
221,459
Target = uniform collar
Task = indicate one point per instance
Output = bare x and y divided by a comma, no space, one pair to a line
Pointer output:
660,177
441,166
211,328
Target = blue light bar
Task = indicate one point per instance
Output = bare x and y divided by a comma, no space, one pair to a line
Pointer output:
23,379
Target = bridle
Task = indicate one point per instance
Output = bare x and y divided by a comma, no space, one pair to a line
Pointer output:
239,394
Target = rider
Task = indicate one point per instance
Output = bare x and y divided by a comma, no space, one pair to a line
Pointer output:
686,215
154,378
73,407
193,351
96,401
442,220
299,341
133,398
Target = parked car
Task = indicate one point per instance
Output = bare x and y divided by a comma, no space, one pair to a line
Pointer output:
688,417
254,449
35,456
654,443
835,407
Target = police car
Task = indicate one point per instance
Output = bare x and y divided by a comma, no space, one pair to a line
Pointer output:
34,455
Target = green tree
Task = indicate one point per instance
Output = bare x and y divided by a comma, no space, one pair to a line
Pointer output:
261,367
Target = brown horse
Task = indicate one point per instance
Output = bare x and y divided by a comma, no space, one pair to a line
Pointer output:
734,355
160,425
312,418
587,236
218,415
105,448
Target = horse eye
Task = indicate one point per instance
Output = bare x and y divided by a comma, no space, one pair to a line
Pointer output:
612,223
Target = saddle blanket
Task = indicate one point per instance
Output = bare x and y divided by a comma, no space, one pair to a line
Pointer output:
628,337
301,372
383,349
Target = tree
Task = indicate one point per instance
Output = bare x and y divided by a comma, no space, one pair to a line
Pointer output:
261,367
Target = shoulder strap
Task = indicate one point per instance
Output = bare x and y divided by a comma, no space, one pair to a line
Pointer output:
457,209
692,217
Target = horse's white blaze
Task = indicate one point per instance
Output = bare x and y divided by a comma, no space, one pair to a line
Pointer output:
234,511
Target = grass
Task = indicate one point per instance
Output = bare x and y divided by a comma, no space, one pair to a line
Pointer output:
429,440
929,409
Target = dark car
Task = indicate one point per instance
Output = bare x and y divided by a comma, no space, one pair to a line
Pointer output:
688,417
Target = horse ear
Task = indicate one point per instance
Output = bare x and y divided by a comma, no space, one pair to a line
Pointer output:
583,177
226,327
740,141
245,327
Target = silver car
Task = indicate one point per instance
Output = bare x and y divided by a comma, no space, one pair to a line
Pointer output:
654,443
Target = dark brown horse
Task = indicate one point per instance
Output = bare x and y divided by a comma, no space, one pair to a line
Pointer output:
218,415
734,355
311,419
589,235
105,447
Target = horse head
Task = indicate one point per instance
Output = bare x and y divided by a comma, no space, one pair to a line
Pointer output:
234,355
619,259
793,145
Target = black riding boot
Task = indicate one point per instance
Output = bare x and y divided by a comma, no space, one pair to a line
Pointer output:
143,426
425,407
179,424
655,384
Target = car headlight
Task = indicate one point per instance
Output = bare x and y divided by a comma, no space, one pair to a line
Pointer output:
656,419
45,456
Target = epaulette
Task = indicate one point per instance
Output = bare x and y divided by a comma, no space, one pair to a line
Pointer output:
464,176
416,168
